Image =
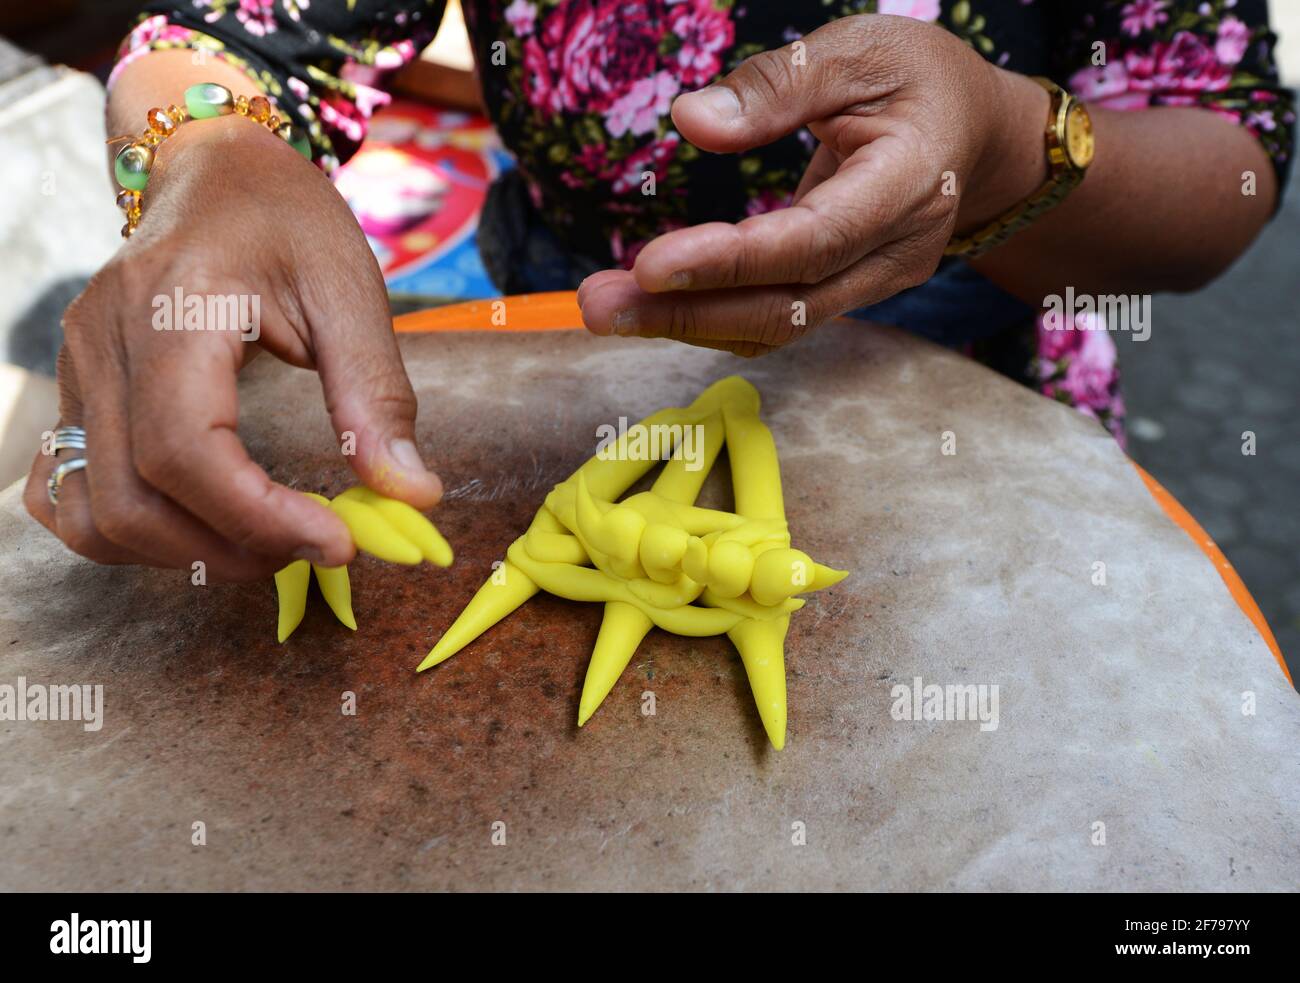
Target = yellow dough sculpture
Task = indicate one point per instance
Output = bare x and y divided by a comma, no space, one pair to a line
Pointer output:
383,527
658,559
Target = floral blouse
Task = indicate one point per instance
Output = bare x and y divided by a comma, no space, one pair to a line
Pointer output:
580,89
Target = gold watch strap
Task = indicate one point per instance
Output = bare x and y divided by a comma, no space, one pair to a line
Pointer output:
1064,179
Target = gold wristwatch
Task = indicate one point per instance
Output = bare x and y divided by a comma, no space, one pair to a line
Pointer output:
1070,147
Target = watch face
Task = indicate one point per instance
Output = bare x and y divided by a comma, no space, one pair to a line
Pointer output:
1078,136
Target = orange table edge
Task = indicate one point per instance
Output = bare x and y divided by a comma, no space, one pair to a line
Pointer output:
559,311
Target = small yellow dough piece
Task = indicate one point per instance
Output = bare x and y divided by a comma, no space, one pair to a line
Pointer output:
656,559
337,591
762,649
661,551
621,632
695,561
730,567
291,589
384,527
374,534
779,574
408,523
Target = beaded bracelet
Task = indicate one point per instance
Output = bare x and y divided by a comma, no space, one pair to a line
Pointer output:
207,100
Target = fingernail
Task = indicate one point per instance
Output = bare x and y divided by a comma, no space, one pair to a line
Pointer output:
625,322
404,453
679,280
309,553
719,100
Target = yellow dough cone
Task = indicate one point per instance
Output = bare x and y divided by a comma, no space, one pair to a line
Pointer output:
508,588
373,533
291,589
762,648
824,577
621,632
337,591
408,522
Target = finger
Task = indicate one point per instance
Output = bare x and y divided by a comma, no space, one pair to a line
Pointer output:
759,315
35,496
604,297
626,291
871,199
595,280
76,525
183,416
824,163
131,514
741,349
775,92
769,316
368,393
36,492
70,520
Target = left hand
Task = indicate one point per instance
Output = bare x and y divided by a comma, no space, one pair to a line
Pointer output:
920,137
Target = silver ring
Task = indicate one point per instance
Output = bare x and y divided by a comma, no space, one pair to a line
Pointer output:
61,471
69,438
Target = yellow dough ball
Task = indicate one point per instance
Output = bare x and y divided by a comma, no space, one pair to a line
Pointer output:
730,566
779,574
621,531
662,549
695,562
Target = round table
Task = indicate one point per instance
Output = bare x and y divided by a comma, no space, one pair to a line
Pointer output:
1145,734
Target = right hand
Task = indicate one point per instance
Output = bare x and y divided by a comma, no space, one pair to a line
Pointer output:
230,209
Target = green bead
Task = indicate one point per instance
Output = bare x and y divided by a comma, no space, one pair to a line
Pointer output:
131,168
207,99
295,137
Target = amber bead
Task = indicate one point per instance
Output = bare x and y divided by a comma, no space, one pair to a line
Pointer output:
160,122
241,105
259,107
126,199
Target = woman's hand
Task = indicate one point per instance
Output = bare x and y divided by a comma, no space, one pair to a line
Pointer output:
230,210
920,138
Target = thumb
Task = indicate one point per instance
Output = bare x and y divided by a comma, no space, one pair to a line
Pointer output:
769,95
373,407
